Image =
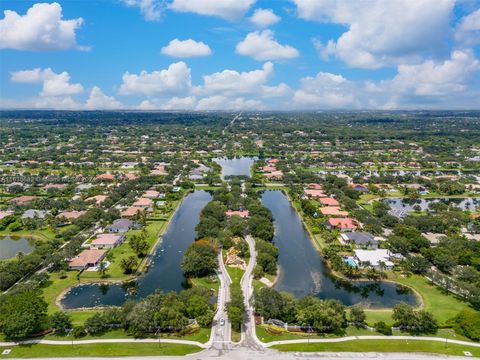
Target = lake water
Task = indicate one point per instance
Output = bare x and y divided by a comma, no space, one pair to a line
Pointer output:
236,166
304,272
164,272
10,246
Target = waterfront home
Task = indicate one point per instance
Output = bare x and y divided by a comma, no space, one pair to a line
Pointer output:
360,239
121,226
83,187
333,211
242,213
107,241
342,224
22,200
314,193
328,201
314,187
34,214
377,259
87,258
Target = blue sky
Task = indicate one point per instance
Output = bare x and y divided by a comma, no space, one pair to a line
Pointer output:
240,54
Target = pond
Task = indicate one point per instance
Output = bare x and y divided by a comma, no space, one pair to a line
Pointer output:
235,166
164,272
10,246
303,271
400,207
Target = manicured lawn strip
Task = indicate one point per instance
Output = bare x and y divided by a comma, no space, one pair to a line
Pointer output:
202,335
235,274
206,282
443,306
387,345
118,349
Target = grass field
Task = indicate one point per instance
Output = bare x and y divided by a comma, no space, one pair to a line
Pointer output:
118,349
387,345
443,306
235,274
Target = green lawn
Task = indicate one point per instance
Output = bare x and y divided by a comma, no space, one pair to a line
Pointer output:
443,306
387,345
208,282
235,274
118,349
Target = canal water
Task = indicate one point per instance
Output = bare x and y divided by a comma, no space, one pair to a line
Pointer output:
303,271
235,166
164,272
10,246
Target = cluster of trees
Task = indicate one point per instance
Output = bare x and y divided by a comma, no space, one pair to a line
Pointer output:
413,321
24,314
236,307
323,316
200,259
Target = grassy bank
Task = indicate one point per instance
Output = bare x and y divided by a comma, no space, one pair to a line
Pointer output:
118,349
387,345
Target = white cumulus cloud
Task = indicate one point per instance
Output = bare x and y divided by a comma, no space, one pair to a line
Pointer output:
174,80
186,48
150,9
40,29
53,84
436,78
382,32
261,45
234,82
325,91
468,31
220,102
226,9
99,101
264,18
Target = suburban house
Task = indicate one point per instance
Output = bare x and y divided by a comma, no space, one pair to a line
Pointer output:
105,177
328,201
274,175
242,213
107,240
142,203
98,199
22,200
87,258
4,214
314,187
377,259
121,226
131,211
342,224
314,193
333,211
151,194
54,186
358,187
34,214
360,239
70,215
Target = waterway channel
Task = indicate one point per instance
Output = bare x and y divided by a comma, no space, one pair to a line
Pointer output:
164,272
303,271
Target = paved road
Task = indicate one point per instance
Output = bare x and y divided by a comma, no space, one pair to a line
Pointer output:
221,334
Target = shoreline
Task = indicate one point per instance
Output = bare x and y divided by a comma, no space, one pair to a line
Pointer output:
335,274
140,271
